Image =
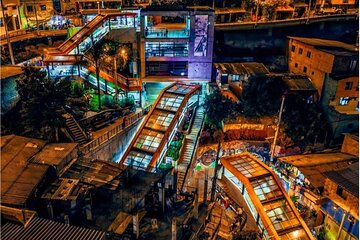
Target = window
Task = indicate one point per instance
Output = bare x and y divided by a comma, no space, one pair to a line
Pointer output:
312,73
340,192
43,7
344,101
29,8
296,65
293,48
345,1
353,64
348,85
357,107
305,69
357,87
300,51
308,54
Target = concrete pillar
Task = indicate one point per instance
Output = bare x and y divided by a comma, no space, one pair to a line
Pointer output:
136,225
50,210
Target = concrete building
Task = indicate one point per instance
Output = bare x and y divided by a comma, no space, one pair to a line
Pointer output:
10,15
333,68
176,43
37,12
341,209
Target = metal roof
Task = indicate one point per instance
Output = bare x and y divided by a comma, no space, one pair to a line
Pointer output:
19,177
54,153
298,82
44,229
334,47
348,178
313,166
246,68
278,215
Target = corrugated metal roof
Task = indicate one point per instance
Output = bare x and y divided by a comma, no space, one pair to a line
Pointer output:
44,229
248,68
19,178
335,47
54,153
347,178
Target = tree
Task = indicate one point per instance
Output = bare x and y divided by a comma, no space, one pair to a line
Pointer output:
97,55
39,110
218,108
262,96
303,120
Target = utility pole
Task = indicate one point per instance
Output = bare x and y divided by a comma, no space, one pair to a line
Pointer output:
257,12
277,129
7,34
36,18
309,8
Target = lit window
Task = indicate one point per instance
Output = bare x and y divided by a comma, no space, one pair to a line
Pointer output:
308,54
43,7
296,65
293,48
305,69
344,101
300,51
353,64
348,85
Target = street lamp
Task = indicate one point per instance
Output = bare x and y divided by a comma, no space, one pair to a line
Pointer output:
98,5
277,129
7,35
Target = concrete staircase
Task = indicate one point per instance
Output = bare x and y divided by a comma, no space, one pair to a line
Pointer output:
74,129
189,146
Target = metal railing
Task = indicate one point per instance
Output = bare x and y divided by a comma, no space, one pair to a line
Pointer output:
129,121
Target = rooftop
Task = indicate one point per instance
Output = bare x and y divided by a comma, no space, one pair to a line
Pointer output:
348,178
331,46
95,172
40,228
248,68
298,82
54,153
19,177
10,71
313,166
66,189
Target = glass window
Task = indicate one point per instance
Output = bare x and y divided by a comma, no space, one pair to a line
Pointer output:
248,167
293,48
296,65
170,102
281,215
149,140
344,101
348,85
160,120
43,7
308,54
180,89
300,51
353,64
166,49
138,160
266,188
305,69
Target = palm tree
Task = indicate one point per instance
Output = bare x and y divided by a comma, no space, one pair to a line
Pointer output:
215,117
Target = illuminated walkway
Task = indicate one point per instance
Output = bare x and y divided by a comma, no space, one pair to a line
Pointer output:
148,148
275,213
72,51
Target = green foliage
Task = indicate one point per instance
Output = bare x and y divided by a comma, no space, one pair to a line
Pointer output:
77,89
108,101
302,121
262,96
174,147
39,110
217,108
127,102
